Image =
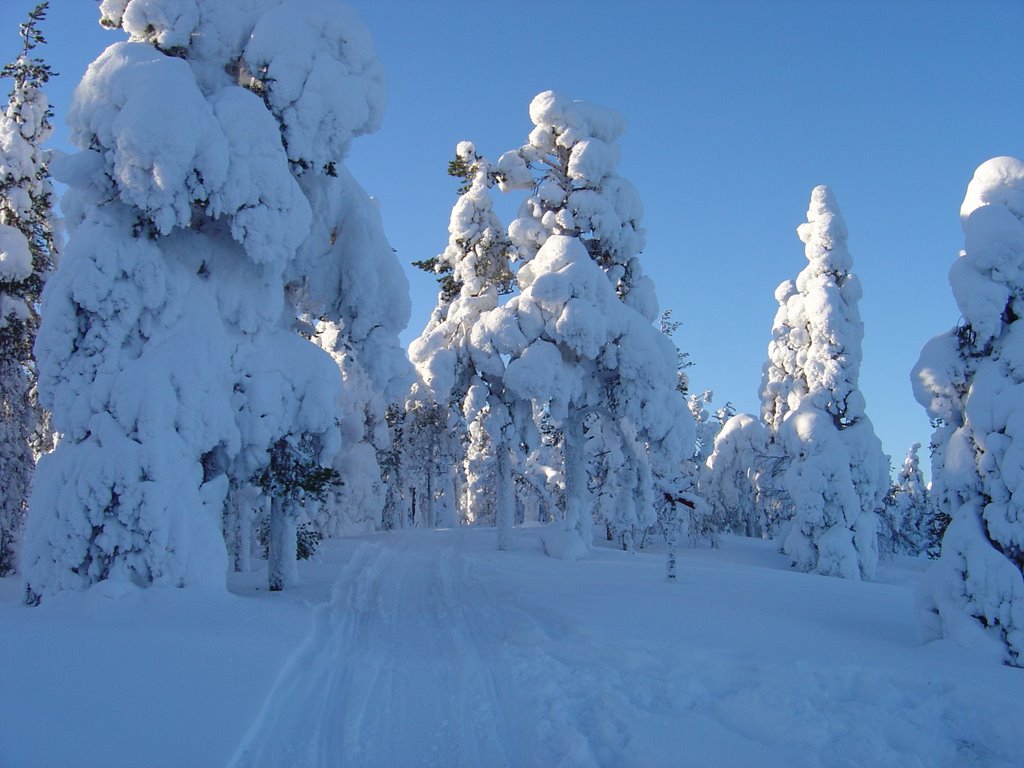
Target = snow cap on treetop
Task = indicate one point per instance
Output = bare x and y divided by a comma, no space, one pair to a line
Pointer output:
996,181
576,118
991,267
825,227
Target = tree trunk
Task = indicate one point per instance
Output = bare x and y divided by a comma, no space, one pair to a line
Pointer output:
281,560
506,503
577,517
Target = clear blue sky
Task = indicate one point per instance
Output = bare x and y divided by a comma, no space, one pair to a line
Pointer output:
736,110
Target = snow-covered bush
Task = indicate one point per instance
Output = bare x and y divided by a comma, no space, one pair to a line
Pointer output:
832,466
970,381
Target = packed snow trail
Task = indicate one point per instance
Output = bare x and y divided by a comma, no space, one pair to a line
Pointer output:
390,674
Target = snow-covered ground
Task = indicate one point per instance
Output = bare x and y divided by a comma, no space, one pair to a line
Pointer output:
430,648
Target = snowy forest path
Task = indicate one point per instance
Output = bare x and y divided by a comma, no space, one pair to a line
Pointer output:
393,673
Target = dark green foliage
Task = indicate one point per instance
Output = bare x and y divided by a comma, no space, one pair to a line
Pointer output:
294,471
307,539
668,326
450,287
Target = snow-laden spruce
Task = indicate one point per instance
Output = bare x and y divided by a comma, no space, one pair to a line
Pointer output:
835,474
169,352
29,239
971,381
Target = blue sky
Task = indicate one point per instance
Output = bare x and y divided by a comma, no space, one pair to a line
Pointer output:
736,110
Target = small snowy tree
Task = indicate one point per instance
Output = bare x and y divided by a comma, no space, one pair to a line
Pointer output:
835,472
707,427
970,381
427,462
731,482
29,235
905,521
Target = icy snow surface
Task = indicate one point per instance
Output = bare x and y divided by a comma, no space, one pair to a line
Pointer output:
430,648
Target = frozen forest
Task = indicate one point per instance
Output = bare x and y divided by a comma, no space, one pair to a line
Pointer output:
233,492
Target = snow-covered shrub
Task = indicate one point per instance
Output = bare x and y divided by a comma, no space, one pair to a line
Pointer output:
971,381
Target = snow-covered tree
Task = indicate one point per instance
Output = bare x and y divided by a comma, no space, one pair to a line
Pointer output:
293,475
29,238
169,351
475,270
569,163
835,472
346,282
731,484
576,351
970,381
427,461
905,521
707,427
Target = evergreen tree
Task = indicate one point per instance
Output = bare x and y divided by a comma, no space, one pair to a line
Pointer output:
905,521
969,380
731,483
573,346
707,425
835,472
29,239
293,475
569,164
475,270
169,352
